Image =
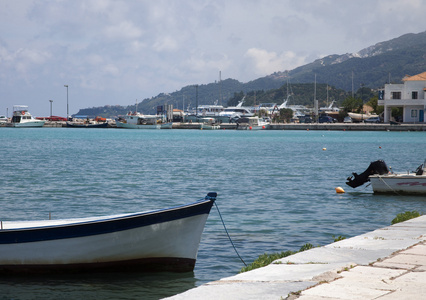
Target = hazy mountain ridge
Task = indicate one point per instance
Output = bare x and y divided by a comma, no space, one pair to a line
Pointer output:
371,67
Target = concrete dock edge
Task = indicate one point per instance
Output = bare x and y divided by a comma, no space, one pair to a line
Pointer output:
387,263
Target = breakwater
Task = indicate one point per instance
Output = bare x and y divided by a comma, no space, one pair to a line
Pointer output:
297,126
320,126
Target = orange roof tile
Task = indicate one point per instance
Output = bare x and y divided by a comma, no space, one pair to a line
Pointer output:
418,77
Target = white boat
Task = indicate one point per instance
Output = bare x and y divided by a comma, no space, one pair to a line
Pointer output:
384,181
399,184
236,112
22,118
252,123
329,109
233,113
209,110
160,240
204,111
361,117
298,110
209,124
135,120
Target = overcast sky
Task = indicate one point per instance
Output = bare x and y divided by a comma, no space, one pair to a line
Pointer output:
114,52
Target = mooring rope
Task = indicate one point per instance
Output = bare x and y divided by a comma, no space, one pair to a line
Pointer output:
226,230
380,177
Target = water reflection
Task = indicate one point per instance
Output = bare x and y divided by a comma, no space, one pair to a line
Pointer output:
96,286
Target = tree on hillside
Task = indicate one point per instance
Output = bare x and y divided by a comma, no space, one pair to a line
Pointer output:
352,104
378,109
285,115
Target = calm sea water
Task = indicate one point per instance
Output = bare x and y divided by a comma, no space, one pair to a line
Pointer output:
276,192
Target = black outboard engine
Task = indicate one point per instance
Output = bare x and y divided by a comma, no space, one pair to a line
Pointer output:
376,167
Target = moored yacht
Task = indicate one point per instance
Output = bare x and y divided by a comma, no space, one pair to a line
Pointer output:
135,120
22,118
236,112
252,123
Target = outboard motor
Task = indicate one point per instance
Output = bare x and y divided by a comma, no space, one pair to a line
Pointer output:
376,167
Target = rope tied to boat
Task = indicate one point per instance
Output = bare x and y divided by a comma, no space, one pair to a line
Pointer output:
380,177
226,230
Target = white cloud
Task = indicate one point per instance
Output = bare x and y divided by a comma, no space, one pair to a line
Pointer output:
123,30
111,69
266,63
166,43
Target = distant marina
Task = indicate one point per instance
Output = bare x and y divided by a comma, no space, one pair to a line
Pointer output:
271,126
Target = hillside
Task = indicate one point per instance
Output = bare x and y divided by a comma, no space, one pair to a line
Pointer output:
370,67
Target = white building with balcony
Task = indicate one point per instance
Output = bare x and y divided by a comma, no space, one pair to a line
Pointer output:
410,95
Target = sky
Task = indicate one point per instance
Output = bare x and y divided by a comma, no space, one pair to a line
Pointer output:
116,52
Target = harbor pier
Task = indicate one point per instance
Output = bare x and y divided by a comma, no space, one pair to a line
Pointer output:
386,264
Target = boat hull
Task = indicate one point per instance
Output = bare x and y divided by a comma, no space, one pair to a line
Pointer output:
168,125
399,184
164,240
209,127
30,124
360,117
76,125
256,127
135,126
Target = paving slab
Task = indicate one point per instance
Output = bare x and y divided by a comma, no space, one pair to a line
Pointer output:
418,250
287,272
343,291
409,259
243,290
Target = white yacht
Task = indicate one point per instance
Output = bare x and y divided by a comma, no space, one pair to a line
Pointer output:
236,112
3,119
298,110
22,118
135,120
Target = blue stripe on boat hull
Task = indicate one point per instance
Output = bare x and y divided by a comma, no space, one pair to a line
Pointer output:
27,235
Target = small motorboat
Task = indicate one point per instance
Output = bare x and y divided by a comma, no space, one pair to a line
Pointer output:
87,124
160,240
252,123
384,181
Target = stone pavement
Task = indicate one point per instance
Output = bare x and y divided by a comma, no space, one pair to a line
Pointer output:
388,263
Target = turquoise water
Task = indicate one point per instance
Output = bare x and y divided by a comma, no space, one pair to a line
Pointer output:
276,192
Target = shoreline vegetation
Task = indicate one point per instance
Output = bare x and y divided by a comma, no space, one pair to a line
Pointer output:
266,259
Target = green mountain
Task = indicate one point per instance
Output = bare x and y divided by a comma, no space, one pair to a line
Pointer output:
371,67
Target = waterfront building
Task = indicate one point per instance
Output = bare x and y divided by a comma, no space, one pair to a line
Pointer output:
410,95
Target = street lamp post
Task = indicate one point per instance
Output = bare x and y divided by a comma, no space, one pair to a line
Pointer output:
66,85
51,101
362,103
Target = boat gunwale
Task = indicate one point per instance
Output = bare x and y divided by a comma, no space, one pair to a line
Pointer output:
109,224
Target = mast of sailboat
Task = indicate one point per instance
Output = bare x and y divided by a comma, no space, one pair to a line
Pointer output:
287,88
315,98
220,87
196,101
327,95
